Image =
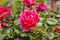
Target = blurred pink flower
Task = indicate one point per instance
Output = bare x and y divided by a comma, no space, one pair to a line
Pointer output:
53,5
4,12
55,0
29,19
41,7
29,3
4,24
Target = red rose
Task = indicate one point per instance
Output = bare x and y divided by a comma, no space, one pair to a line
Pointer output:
4,24
41,7
29,3
4,12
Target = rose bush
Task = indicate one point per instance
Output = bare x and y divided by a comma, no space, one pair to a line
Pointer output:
29,20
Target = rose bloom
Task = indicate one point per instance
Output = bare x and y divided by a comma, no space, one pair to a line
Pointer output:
41,7
4,12
4,24
29,3
29,19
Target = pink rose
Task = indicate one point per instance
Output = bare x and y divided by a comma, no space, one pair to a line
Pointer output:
29,3
4,12
41,7
29,19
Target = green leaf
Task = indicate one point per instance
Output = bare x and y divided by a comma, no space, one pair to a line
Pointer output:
52,21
